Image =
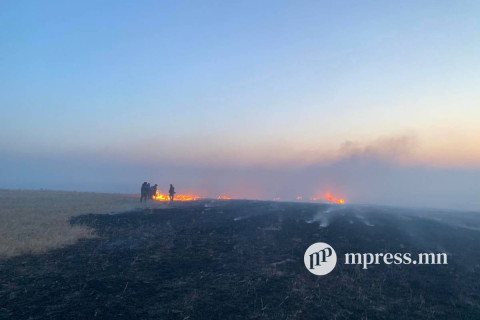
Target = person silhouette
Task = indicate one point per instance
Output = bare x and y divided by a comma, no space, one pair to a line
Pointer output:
171,192
143,192
154,191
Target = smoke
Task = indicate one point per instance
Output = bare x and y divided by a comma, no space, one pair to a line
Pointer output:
391,149
375,173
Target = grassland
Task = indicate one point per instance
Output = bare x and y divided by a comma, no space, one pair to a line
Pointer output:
36,221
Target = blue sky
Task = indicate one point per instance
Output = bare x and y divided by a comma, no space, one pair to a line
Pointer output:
238,83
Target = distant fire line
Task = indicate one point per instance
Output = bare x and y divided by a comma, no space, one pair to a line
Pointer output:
179,197
159,196
328,196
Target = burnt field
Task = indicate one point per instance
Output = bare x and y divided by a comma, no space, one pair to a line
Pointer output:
244,260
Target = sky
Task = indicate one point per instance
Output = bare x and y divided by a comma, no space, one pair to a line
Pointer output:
376,101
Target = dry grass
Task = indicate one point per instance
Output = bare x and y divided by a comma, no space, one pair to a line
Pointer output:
35,221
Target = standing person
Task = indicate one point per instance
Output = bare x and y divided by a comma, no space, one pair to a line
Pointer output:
143,192
154,191
149,191
171,192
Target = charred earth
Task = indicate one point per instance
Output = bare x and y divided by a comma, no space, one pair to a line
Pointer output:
238,259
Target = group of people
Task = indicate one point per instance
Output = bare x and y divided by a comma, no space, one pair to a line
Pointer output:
148,192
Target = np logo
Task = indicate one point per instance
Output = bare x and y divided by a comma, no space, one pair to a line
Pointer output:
320,258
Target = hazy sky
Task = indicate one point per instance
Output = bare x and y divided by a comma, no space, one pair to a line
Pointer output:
204,91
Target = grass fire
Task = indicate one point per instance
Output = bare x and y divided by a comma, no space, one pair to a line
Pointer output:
328,196
151,192
159,196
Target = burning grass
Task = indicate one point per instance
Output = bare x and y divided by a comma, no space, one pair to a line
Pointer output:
160,196
328,196
35,221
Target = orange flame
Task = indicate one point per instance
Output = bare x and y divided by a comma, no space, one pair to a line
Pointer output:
329,197
178,197
223,198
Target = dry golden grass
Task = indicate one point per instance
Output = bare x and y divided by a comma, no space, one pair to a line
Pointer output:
36,221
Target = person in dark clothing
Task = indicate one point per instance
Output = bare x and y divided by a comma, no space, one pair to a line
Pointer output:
171,192
154,191
143,192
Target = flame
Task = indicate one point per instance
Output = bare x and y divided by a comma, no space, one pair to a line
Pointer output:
159,196
328,196
333,199
178,197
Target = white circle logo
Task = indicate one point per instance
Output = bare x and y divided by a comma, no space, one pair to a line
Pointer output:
320,258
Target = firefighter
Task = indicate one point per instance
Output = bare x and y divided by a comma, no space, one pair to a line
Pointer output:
154,191
171,192
143,192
